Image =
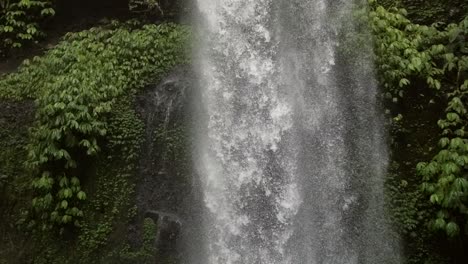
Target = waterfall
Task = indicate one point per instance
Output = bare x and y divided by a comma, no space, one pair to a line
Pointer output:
290,148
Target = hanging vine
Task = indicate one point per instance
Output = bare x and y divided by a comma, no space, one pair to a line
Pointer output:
438,56
75,86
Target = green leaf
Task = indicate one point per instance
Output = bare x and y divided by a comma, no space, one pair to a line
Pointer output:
63,182
48,12
443,142
452,117
440,223
75,181
8,29
435,199
404,82
452,229
81,195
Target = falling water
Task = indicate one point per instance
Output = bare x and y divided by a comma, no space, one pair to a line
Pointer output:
291,151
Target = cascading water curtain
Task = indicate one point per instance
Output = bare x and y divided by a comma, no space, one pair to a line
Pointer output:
290,150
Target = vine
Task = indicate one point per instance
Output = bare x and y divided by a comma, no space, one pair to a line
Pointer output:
75,86
20,22
437,56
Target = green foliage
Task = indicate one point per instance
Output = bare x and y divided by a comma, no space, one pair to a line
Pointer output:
109,207
409,212
437,56
84,86
445,177
145,6
19,21
75,86
115,169
156,9
405,50
428,11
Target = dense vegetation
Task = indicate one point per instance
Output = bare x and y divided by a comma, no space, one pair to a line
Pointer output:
20,22
83,91
70,135
426,67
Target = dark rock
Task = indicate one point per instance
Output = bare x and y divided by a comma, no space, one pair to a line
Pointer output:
169,226
163,107
164,184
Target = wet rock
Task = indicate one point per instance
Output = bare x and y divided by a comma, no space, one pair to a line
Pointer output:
163,107
169,226
164,180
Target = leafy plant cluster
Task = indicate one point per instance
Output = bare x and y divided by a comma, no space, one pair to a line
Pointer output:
428,11
145,6
114,187
75,87
156,9
437,57
109,207
20,21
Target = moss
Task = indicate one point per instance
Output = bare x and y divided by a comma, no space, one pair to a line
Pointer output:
112,198
171,144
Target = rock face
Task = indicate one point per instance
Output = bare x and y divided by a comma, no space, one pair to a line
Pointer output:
168,231
164,185
15,119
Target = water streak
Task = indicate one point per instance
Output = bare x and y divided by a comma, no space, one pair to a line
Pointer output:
291,152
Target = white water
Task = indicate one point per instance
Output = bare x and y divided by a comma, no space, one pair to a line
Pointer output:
291,152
